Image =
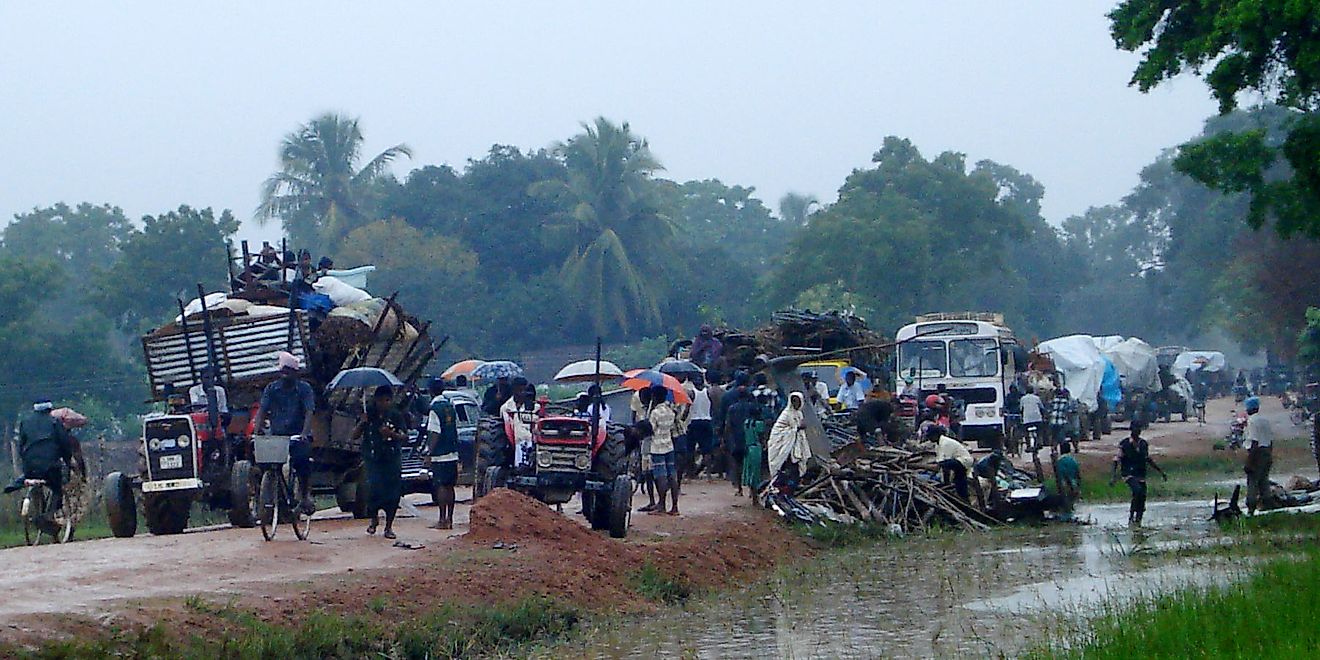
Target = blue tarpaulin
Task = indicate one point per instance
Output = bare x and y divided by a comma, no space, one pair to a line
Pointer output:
1109,385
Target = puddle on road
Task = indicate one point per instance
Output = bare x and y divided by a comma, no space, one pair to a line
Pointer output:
979,594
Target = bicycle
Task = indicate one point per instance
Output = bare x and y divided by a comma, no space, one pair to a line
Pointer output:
277,496
38,520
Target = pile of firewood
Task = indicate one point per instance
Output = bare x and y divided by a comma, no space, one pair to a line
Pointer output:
795,332
886,486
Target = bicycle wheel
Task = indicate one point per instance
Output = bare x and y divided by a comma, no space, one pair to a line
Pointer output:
34,508
301,520
268,502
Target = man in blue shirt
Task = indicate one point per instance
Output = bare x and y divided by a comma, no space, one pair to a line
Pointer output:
288,404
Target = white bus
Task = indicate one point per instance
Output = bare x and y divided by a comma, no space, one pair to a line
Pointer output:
972,356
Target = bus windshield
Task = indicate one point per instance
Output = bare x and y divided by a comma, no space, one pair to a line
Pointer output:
923,359
973,358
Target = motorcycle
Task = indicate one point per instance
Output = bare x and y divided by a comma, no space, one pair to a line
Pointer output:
1237,430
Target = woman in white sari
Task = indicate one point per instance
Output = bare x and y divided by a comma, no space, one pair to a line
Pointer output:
788,438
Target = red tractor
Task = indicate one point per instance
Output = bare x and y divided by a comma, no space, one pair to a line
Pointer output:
564,459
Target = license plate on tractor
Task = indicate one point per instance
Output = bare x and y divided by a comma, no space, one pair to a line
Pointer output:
171,462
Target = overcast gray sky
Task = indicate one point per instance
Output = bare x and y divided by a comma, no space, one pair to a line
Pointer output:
149,105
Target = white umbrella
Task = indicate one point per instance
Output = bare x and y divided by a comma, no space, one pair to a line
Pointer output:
584,371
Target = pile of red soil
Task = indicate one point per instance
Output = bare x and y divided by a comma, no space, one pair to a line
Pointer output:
509,516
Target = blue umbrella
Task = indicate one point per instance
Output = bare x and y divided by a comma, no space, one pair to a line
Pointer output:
496,370
363,377
861,376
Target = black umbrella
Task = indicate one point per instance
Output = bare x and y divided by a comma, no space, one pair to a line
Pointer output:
680,368
363,377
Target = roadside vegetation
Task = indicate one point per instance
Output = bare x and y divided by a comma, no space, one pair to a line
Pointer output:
452,631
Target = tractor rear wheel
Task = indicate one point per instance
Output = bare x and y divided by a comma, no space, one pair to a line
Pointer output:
166,513
241,495
620,506
120,509
612,458
493,450
495,476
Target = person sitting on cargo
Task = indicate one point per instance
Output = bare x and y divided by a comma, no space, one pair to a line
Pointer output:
287,404
514,412
706,348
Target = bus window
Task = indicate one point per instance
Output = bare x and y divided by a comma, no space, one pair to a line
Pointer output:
973,357
925,358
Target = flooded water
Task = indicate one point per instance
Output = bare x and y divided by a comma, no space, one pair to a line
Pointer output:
972,594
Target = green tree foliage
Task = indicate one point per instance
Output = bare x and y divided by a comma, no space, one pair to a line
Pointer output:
163,262
615,229
795,208
912,235
1265,47
320,192
731,217
1308,340
60,360
81,238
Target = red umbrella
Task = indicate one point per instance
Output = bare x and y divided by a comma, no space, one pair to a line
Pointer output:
72,419
640,379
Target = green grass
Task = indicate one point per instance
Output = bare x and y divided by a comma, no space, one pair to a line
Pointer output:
839,535
449,632
1189,477
653,584
1274,612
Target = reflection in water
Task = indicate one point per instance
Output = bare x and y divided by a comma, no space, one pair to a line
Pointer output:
979,594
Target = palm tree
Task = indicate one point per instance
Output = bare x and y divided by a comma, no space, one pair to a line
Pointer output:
795,208
319,192
619,237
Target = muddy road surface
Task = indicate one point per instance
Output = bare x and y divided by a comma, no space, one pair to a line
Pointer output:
94,577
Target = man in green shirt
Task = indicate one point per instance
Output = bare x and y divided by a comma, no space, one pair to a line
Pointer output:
442,438
1068,479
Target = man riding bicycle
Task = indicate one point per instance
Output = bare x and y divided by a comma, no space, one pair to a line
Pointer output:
44,446
288,404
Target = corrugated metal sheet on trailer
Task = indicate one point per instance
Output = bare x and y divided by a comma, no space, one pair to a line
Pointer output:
246,348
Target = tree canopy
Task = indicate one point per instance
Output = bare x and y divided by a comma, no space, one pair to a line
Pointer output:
1266,47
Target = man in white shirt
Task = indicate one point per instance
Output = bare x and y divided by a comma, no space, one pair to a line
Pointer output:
954,459
512,413
822,390
1260,456
851,393
197,393
1033,415
701,426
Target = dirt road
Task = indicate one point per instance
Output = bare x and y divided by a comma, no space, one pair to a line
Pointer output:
94,577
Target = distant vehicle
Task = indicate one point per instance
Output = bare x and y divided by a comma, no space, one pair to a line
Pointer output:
974,355
416,474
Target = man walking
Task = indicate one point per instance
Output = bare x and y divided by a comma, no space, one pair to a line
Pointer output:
1033,418
1133,457
442,437
701,431
1060,409
1260,457
851,393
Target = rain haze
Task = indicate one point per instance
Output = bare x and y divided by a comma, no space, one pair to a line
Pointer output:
154,105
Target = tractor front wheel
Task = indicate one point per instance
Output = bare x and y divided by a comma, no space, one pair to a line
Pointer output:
120,509
166,513
620,511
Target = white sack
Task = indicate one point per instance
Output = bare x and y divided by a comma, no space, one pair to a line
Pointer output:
341,294
1208,361
1081,364
1136,363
